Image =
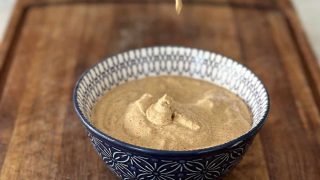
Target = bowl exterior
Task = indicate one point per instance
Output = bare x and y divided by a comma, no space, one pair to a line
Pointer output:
130,164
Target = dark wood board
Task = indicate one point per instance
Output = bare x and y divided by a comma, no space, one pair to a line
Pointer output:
40,136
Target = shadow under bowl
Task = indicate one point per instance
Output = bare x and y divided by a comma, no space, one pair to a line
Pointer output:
128,161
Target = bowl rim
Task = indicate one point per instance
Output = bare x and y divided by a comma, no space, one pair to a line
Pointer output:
87,124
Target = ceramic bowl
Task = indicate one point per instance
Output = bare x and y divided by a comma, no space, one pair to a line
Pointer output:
128,161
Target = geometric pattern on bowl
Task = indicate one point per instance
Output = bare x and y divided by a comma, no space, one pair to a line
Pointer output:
132,162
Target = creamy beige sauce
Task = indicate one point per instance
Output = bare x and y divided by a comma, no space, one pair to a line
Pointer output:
171,113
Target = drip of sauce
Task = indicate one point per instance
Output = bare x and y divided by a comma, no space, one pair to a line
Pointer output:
171,113
178,6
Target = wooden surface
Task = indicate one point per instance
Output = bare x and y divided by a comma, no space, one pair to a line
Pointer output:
51,44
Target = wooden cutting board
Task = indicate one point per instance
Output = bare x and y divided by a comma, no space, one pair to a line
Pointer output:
51,44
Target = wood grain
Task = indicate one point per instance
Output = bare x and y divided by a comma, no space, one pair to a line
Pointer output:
269,57
40,136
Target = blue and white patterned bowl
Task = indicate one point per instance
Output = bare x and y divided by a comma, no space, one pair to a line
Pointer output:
132,162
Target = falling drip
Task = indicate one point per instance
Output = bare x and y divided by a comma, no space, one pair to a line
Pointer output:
178,6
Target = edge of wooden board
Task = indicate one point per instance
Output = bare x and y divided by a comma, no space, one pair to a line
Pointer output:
307,56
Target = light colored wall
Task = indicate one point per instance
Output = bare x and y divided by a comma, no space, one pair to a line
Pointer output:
309,13
6,7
